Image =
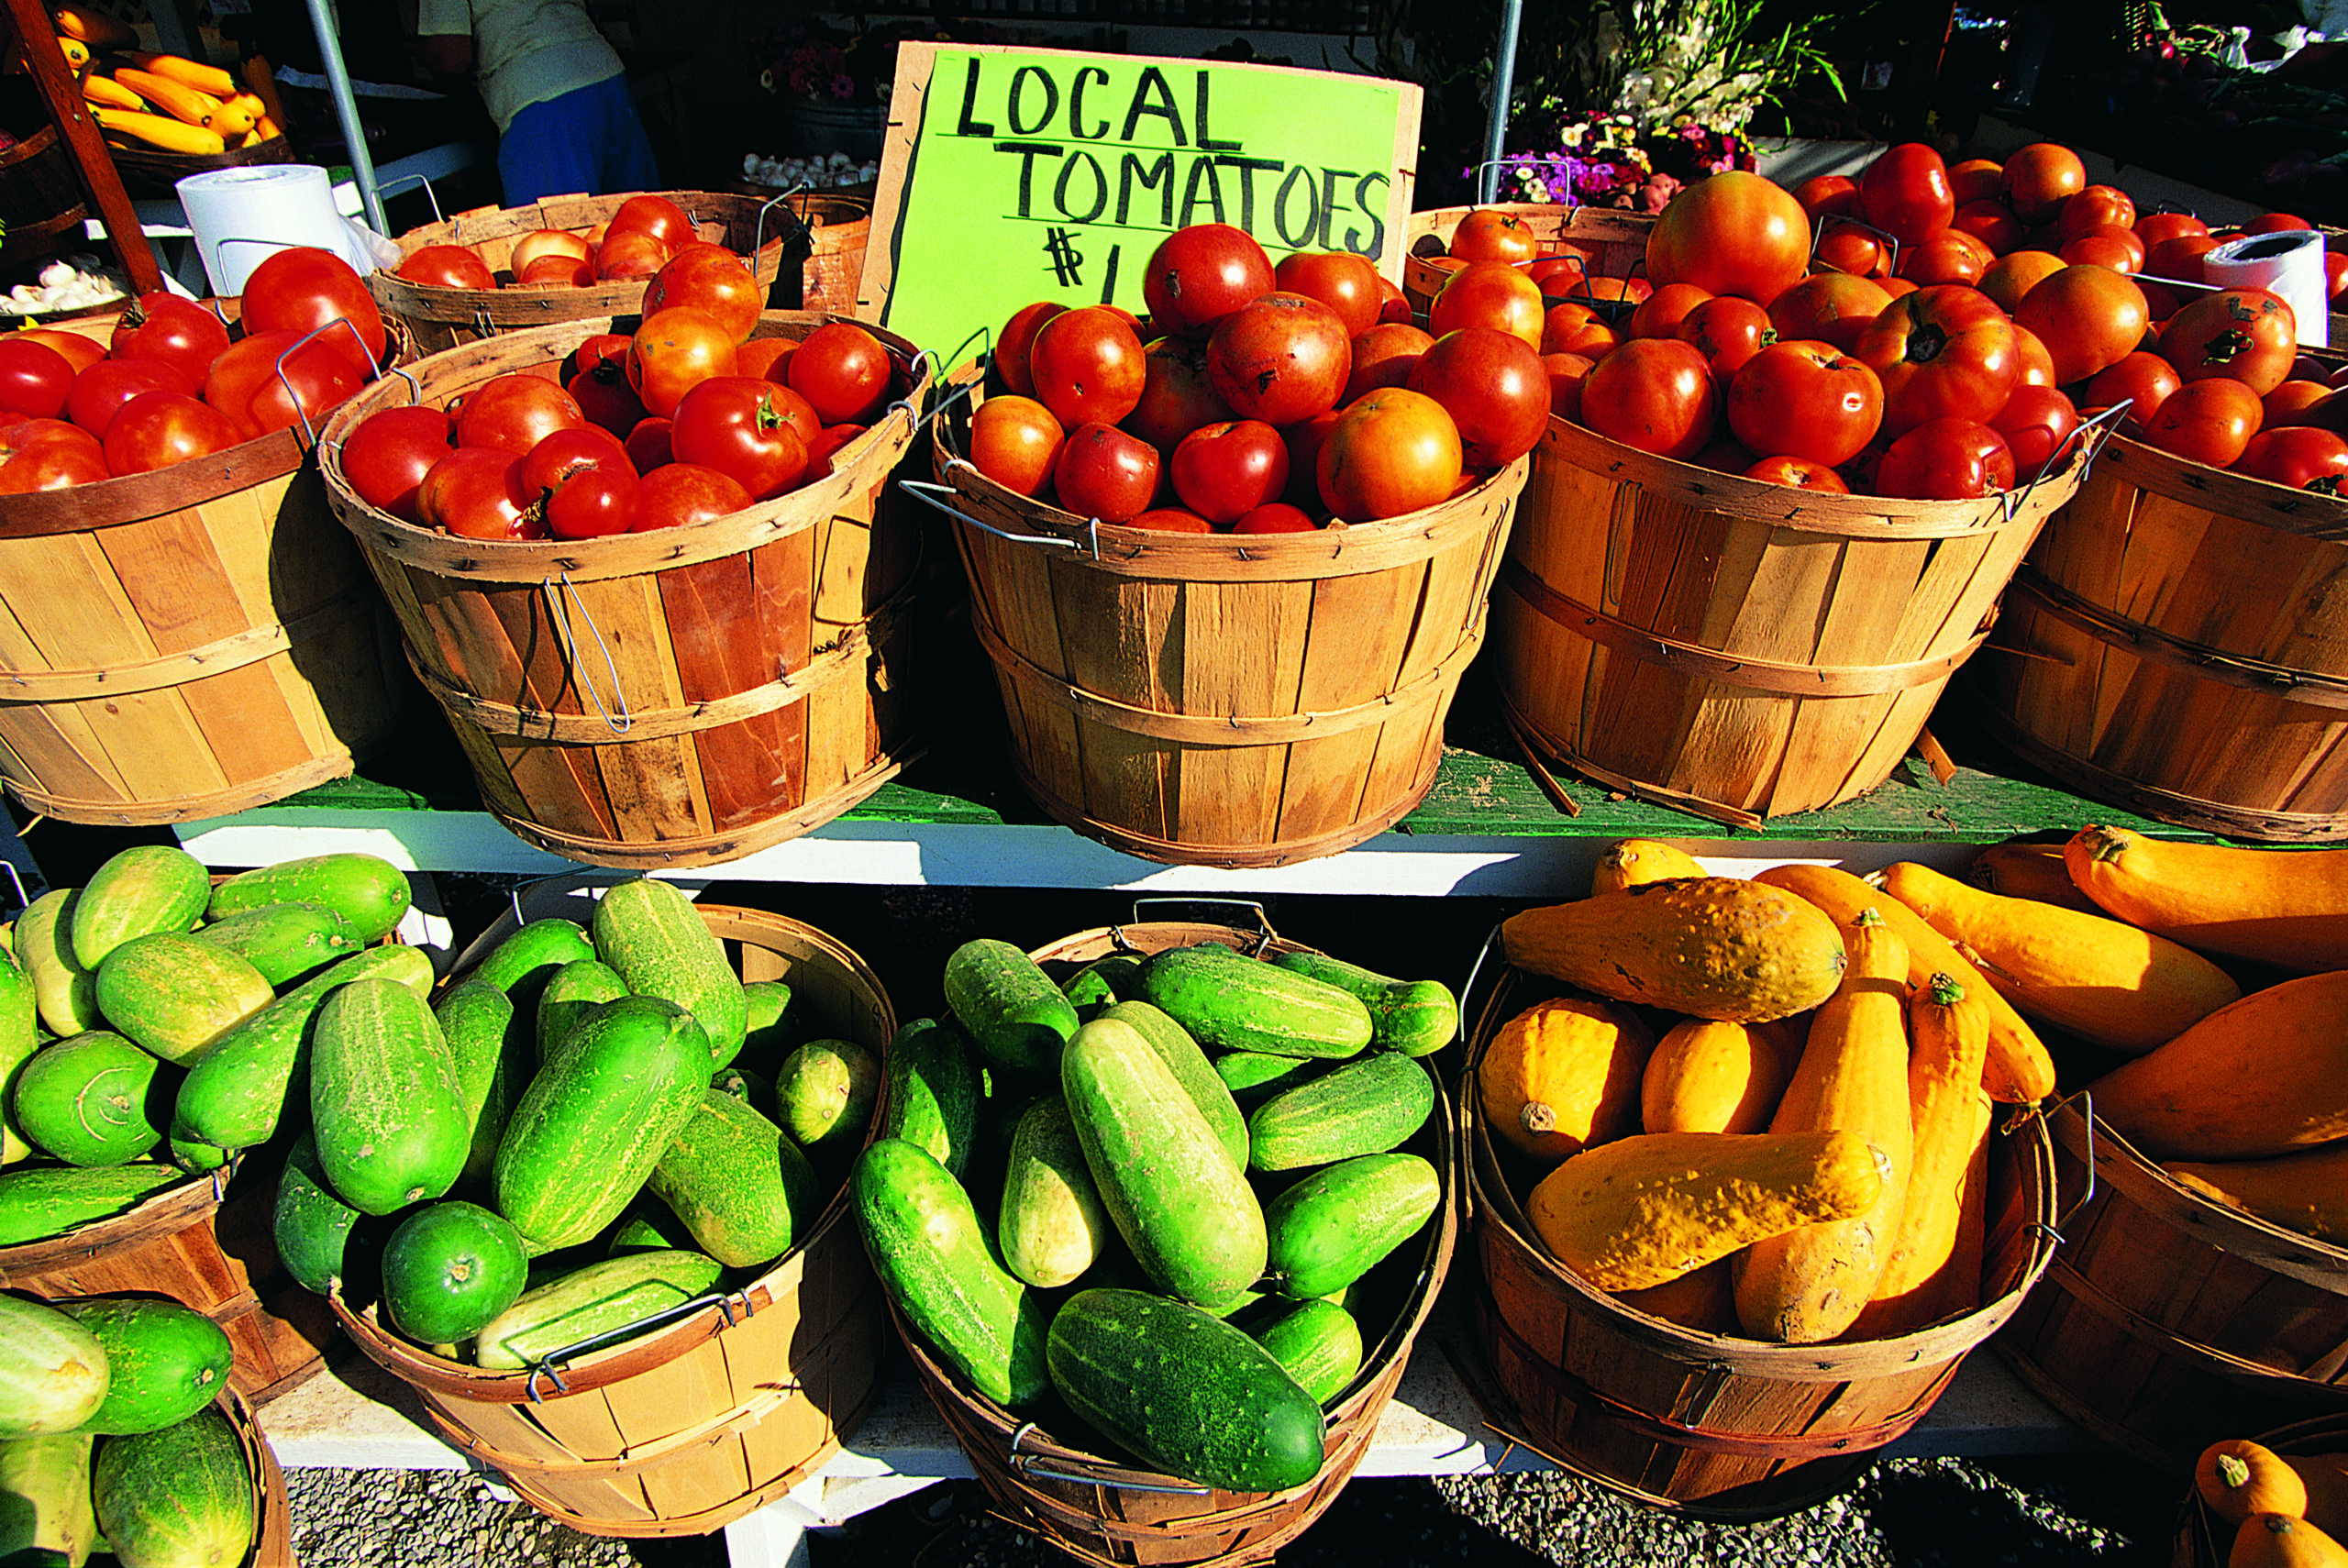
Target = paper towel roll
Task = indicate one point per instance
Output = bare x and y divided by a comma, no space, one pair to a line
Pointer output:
2288,262
242,215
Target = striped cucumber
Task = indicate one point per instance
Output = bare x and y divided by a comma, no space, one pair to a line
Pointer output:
287,942
313,1227
19,1038
368,891
1008,1006
1318,1342
1336,1224
1190,1069
1232,1002
651,934
164,1361
175,995
588,1303
47,1200
477,1020
742,1189
383,1099
1365,1107
932,1092
1417,1017
520,965
183,1495
91,1100
573,992
1051,1227
65,989
146,887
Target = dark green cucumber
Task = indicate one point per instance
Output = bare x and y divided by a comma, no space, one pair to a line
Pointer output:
1334,1226
520,965
287,942
237,1087
146,887
369,891
1254,1076
1191,1070
175,995
932,1257
1317,1342
46,1484
742,1189
573,992
313,1227
390,1124
931,1097
477,1019
1366,1107
49,1202
825,1091
769,1020
652,934
1417,1017
1232,1002
1051,1227
65,989
1008,1006
449,1269
19,1038
592,1123
1188,1393
601,1298
1113,978
164,1361
1180,1203
91,1100
184,1496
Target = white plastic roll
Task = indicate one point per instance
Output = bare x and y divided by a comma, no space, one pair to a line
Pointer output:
241,216
2289,263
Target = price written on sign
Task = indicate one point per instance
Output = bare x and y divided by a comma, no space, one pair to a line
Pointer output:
1011,176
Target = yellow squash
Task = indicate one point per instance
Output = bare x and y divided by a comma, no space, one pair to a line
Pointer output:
1718,947
1711,1076
2267,1076
158,130
2030,871
1563,1075
1634,861
2307,1193
2285,907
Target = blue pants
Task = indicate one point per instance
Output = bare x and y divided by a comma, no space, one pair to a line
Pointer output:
587,142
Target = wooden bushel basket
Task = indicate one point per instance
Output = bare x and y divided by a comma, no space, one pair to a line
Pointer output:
753,227
1612,241
218,1257
2175,645
1737,649
1711,1426
156,172
2205,1540
1113,1515
687,1428
1224,700
272,1509
2172,1320
190,642
681,697
836,230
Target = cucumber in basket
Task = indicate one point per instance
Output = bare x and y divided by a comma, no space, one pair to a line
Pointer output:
601,1298
655,939
1232,1002
368,890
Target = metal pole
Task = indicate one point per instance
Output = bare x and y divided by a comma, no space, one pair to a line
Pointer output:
346,109
1488,178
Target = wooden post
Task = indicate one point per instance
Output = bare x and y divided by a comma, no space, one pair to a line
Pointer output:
92,162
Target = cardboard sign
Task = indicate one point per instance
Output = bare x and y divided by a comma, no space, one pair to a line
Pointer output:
1012,175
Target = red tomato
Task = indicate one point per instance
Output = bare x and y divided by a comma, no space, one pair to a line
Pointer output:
2140,380
274,381
1344,282
1660,313
2248,335
34,378
2208,421
1941,351
1946,459
648,445
2036,422
1823,195
546,242
80,352
514,412
2179,257
1488,294
2040,178
1225,471
2012,276
2092,206
629,256
733,425
387,455
446,267
1382,356
303,289
2037,364
164,327
476,492
1653,394
1798,472
593,503
655,217
1386,453
1952,256
2287,403
1565,373
1906,193
1493,386
1732,233
1088,366
843,371
98,392
1977,180
1103,472
1393,304
1560,276
2088,317
709,278
681,494
1488,234
1176,397
555,271
2275,223
672,351
1276,517
1991,222
1828,307
1574,328
1015,442
155,429
768,359
603,348
2153,227
1170,520
49,454
1846,244
1805,400
603,395
2105,237
2299,457
1011,349
564,453
1200,273
1304,441
1283,357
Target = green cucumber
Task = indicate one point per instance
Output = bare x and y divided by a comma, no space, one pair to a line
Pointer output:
1365,1107
287,942
825,1091
931,1093
744,1085
180,1498
175,995
573,992
164,1361
769,1020
1231,1002
1334,1226
19,1038
1181,1204
1417,1017
648,1226
742,1189
146,887
1114,978
590,1126
1317,1342
652,934
449,1269
46,1200
53,1372
1193,1395
601,1300
934,1259
1052,1226
520,965
368,891
91,1100
1008,1006
237,1087
1191,1070
313,1227
477,1020
391,1126
1254,1076
45,1498
65,989
192,1153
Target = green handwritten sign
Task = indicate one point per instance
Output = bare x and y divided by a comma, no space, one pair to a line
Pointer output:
1015,175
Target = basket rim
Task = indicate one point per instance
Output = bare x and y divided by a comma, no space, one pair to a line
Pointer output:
2237,496
272,1510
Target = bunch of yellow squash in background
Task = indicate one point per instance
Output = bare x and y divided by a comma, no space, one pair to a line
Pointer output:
163,100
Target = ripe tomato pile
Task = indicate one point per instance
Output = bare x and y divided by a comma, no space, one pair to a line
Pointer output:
1274,398
640,239
1943,335
685,419
173,382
